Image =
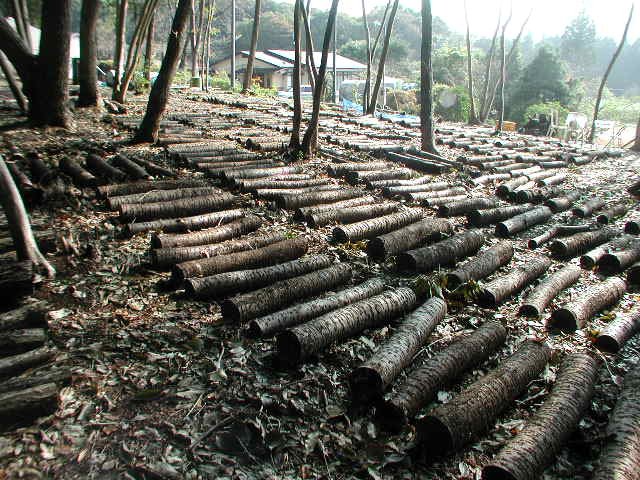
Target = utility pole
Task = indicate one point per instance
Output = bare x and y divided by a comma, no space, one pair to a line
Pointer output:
335,77
233,44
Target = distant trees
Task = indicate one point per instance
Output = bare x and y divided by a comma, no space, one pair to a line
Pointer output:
578,45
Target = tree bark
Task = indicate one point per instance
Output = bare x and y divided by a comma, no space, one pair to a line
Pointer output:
369,381
481,266
426,81
559,231
590,259
528,453
254,45
16,90
605,217
294,142
462,207
161,196
18,406
377,226
292,316
311,63
291,202
148,53
148,130
598,297
216,234
183,224
485,108
118,56
135,188
366,94
87,74
613,337
540,297
406,238
636,145
304,213
472,412
21,340
473,119
15,364
373,100
563,203
588,207
18,220
481,218
445,252
350,215
144,212
617,262
422,385
523,221
605,77
581,242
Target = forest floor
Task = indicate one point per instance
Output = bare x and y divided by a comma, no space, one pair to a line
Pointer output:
163,388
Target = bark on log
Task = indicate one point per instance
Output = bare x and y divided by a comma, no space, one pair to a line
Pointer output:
27,316
209,236
561,230
472,412
256,185
99,166
620,457
562,203
463,207
18,341
144,212
523,221
351,215
132,169
423,187
555,180
153,168
411,236
369,381
419,196
153,196
17,406
505,286
632,226
527,454
377,226
143,187
445,252
277,193
17,363
581,242
40,172
389,174
596,298
81,177
183,224
504,189
481,218
484,179
249,173
59,376
481,266
292,316
300,342
590,259
261,257
633,274
341,169
437,201
305,212
282,294
537,195
607,216
588,207
422,385
224,284
290,202
613,337
540,297
164,257
617,262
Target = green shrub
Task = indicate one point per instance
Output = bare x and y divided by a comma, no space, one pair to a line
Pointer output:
547,108
459,110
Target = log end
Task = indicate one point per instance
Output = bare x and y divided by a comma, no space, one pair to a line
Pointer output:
366,385
376,249
502,230
230,310
532,244
339,235
390,417
578,212
178,275
558,249
406,262
289,348
487,299
607,344
609,264
632,227
497,472
564,320
528,310
434,437
156,242
602,219
587,262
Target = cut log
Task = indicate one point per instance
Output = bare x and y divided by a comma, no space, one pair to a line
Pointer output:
369,381
523,221
527,454
135,171
99,166
26,316
607,216
249,173
481,266
273,254
536,195
291,202
562,203
434,202
449,427
594,299
549,288
223,284
282,294
422,384
484,179
305,212
164,257
20,405
81,177
420,196
505,188
389,174
153,196
423,187
351,215
411,236
617,262
253,185
481,218
443,253
377,226
40,172
153,168
463,207
497,291
142,187
555,180
340,169
17,279
613,337
18,341
144,212
590,259
233,229
17,363
184,224
632,226
633,274
581,242
292,316
277,193
559,231
620,459
300,342
588,207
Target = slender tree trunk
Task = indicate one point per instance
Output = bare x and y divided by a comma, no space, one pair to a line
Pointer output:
310,136
88,54
484,104
233,44
118,57
208,40
636,144
254,45
148,130
21,17
148,54
596,110
473,119
25,243
294,143
16,90
503,76
426,82
196,38
367,38
383,58
311,63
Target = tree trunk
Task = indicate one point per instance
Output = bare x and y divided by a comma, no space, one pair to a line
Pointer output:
422,385
480,266
426,81
217,234
473,119
148,53
283,293
481,218
598,297
367,38
118,56
523,221
312,71
462,207
503,77
294,143
27,316
311,134
540,297
613,336
19,341
300,342
81,177
616,54
87,74
485,108
59,376
373,100
350,215
254,45
497,291
16,89
148,130
371,228
581,242
298,314
369,381
23,239
421,187
470,413
144,212
224,284
530,451
184,224
304,213
233,45
446,252
415,197
290,202
114,203
411,236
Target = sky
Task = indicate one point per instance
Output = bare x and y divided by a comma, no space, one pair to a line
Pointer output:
549,17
